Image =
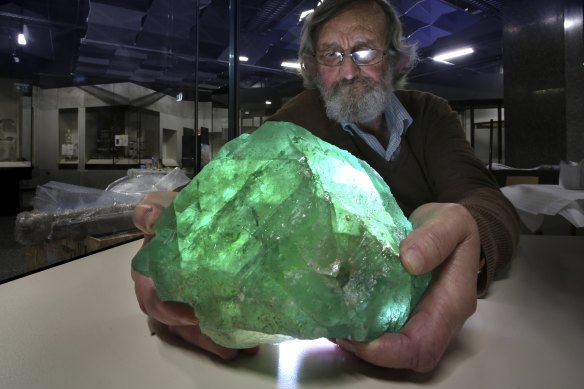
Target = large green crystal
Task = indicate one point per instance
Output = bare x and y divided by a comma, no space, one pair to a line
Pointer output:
280,236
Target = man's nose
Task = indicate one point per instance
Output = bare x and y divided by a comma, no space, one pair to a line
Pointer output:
348,70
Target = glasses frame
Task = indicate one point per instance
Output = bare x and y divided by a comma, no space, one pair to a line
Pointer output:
343,54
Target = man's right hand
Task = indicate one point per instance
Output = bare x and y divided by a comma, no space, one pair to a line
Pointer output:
180,318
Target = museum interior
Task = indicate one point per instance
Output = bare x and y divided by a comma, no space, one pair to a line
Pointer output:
102,100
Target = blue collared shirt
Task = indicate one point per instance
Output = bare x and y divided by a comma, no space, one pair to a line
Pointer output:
397,119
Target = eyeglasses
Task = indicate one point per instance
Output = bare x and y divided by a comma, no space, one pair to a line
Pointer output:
362,57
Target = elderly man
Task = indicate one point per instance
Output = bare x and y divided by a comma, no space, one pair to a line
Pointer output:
354,62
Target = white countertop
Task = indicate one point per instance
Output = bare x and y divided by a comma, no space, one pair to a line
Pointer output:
78,325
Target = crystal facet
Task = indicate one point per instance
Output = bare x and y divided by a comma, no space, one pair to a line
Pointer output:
281,236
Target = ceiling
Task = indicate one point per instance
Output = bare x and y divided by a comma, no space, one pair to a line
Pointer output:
152,42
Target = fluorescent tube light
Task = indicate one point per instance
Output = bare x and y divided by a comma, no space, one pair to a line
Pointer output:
453,54
290,65
243,58
21,39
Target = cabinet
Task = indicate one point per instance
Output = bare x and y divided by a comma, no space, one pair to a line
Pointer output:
484,124
68,137
121,136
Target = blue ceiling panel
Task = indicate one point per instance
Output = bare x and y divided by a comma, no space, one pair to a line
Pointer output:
113,16
428,11
456,21
411,25
426,36
88,38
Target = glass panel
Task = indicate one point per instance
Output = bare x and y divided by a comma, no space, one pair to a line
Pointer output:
15,123
476,117
123,136
68,136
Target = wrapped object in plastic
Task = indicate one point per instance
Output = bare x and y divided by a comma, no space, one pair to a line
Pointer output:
65,211
139,182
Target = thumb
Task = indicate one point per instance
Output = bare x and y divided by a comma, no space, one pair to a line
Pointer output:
438,230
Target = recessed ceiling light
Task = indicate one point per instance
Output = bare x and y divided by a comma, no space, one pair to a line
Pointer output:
21,39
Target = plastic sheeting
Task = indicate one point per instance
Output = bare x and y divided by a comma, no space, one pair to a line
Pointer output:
65,211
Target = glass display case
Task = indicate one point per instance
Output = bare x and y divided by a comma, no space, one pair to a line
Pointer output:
483,122
121,136
15,124
15,140
68,137
169,147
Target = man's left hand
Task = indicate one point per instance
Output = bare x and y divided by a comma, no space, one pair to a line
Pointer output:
445,240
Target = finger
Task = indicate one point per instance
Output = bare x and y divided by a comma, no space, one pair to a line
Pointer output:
438,230
167,312
149,209
194,336
436,320
251,350
418,347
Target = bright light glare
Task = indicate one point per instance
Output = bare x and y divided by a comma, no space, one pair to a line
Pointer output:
21,39
290,355
569,23
243,59
268,102
291,65
453,54
305,14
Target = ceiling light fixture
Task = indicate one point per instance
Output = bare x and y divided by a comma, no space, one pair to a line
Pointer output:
290,65
453,54
569,23
268,102
21,39
305,14
243,58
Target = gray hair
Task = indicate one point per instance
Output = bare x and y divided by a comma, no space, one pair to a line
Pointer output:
402,56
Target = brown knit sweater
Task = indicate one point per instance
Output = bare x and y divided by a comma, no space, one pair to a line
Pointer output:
435,164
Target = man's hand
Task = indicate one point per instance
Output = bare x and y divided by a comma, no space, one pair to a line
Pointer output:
445,240
180,318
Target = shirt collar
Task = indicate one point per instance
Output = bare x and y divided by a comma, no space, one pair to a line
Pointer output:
397,118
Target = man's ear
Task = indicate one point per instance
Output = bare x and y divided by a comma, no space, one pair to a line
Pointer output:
309,68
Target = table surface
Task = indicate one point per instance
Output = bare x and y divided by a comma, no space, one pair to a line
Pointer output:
78,325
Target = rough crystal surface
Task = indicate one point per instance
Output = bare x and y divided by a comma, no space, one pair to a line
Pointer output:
280,236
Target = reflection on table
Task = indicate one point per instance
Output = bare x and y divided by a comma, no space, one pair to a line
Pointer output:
78,325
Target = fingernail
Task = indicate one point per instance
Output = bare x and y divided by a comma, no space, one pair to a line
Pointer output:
413,261
189,322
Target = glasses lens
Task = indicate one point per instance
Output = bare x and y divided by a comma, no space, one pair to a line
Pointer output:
366,57
330,58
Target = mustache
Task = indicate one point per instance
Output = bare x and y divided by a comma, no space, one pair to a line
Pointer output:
354,81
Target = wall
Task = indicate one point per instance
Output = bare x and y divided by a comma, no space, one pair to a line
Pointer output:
543,82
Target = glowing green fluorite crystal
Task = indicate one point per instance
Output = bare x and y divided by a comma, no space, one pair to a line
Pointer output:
284,235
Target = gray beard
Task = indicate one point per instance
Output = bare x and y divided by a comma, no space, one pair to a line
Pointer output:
346,102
